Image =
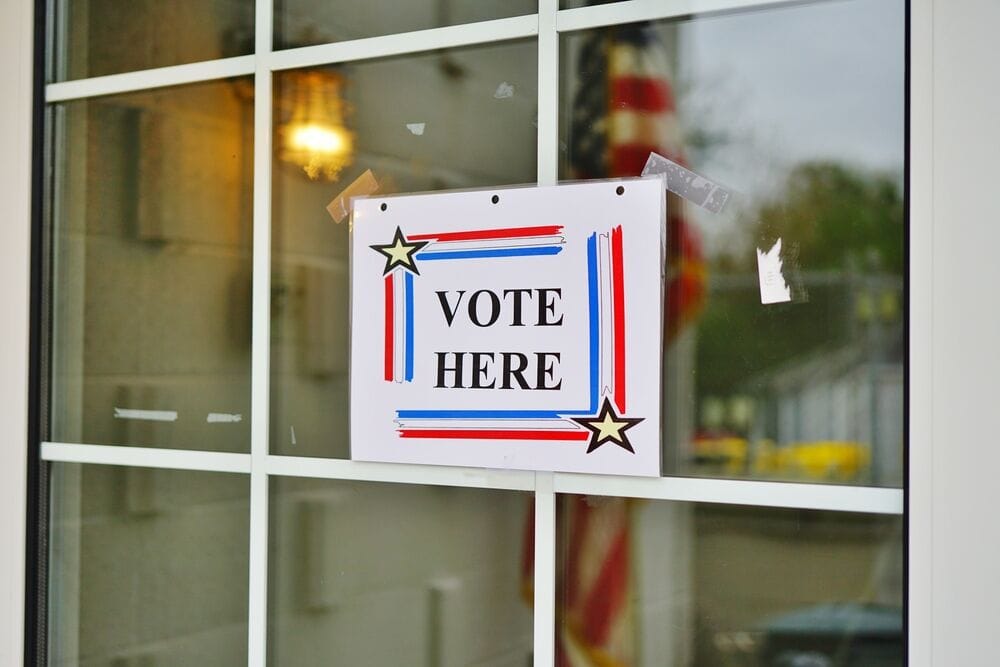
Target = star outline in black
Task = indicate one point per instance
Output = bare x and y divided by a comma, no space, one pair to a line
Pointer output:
391,262
595,440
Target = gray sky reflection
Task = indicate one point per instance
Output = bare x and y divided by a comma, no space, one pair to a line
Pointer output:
822,81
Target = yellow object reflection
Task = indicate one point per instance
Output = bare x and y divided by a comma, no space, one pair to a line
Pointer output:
820,460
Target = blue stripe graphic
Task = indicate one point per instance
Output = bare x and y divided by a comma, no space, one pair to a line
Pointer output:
594,319
490,252
408,376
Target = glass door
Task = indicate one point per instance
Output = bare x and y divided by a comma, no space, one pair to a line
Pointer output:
202,507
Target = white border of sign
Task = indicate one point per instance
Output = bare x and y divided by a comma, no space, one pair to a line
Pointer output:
576,270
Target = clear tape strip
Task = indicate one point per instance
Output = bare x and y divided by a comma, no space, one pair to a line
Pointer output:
688,185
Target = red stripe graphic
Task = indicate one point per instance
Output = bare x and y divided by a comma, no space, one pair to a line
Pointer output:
641,93
475,434
480,234
618,299
388,328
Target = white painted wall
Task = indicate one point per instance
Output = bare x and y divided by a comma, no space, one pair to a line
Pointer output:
954,533
965,463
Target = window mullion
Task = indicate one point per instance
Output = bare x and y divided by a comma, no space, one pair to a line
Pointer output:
260,345
630,11
548,93
545,500
545,570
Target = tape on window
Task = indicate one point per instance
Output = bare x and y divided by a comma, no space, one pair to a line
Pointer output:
340,207
688,185
773,285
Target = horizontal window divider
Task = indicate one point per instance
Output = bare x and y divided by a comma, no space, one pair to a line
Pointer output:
403,473
468,34
793,495
146,457
160,77
836,497
629,11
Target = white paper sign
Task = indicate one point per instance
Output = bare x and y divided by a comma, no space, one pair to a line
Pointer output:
516,328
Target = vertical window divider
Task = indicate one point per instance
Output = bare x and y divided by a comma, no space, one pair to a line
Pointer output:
545,570
260,338
548,93
545,500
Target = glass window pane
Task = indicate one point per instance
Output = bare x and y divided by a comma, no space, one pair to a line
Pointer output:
427,122
150,224
382,574
800,110
306,22
98,37
147,567
663,583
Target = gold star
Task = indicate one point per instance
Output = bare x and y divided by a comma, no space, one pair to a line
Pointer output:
608,427
400,252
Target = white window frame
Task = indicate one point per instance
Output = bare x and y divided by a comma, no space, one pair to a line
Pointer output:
935,197
16,76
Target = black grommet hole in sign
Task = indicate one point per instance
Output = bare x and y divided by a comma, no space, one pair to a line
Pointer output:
384,206
495,199
620,190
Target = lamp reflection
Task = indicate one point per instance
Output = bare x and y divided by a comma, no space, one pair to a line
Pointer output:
315,136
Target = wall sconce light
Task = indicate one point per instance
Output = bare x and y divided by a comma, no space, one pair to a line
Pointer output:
315,136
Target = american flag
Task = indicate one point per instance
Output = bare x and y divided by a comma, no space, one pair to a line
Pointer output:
595,624
623,110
